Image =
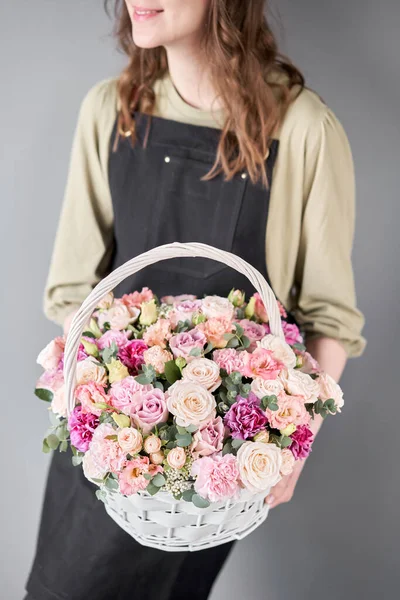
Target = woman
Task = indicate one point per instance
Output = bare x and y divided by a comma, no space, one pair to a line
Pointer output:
237,153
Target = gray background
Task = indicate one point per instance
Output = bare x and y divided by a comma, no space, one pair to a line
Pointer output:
339,536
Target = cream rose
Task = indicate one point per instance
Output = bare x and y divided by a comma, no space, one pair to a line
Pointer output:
152,444
203,371
157,458
288,461
297,383
217,306
119,316
176,458
190,402
266,387
280,349
90,369
259,465
130,440
106,301
328,388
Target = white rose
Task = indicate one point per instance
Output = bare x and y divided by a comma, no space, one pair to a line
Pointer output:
217,306
259,465
298,383
328,388
119,316
203,371
266,387
191,403
280,349
90,369
288,461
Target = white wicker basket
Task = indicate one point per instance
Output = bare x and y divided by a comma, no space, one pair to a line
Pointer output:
161,521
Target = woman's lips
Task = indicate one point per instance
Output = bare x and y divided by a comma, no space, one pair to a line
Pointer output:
144,14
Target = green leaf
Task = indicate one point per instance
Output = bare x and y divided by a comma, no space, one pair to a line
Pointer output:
111,484
236,377
152,489
184,440
208,348
45,447
43,394
245,341
172,372
147,476
89,334
143,379
199,501
101,405
229,336
285,441
239,329
233,343
227,449
159,480
100,495
192,428
236,443
195,351
188,495
181,430
76,460
64,446
52,441
299,346
159,385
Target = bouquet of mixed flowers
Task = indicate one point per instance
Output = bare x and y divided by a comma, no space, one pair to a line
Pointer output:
189,396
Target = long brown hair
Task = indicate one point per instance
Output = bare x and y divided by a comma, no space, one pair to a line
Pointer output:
242,52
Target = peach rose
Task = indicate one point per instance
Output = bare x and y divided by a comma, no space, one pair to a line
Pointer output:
266,387
157,357
176,458
152,444
130,440
217,306
90,369
328,388
203,371
280,349
291,409
259,465
191,403
157,458
288,461
214,330
49,358
299,384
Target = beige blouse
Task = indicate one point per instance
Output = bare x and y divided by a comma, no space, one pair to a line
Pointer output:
310,225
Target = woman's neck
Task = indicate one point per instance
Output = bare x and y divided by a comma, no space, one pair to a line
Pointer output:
191,77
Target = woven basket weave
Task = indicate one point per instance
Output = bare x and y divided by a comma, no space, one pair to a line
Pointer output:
161,521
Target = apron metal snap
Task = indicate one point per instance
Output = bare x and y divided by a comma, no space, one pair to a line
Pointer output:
167,159
243,175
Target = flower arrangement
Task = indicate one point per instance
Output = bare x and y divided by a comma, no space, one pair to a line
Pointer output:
189,396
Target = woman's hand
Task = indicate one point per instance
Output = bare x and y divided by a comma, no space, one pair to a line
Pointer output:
284,489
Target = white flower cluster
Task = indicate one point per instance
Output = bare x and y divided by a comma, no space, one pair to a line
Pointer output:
177,479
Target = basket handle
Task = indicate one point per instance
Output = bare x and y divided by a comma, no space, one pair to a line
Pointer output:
164,252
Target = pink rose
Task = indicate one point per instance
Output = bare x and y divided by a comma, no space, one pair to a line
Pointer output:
261,363
208,439
216,477
176,458
49,358
90,394
253,331
183,311
309,365
291,410
121,338
121,393
136,298
131,355
148,409
183,343
230,360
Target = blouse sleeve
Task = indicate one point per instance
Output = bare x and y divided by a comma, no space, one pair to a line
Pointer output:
84,237
326,301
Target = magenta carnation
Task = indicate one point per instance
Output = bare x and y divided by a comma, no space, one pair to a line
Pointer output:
302,440
245,417
131,355
81,426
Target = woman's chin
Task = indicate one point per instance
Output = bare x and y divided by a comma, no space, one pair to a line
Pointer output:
146,41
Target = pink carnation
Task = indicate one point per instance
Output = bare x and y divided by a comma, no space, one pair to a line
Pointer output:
158,333
216,477
261,363
291,411
121,338
106,454
131,479
230,360
90,394
121,393
302,440
183,343
245,417
82,426
131,355
136,298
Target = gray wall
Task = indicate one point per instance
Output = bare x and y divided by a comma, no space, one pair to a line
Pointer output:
338,536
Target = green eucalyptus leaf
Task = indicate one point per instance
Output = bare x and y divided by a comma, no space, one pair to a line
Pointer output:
147,476
233,343
235,377
184,440
208,348
188,495
236,443
181,430
111,484
101,495
192,428
45,447
143,379
76,460
199,501
64,446
195,351
285,441
239,329
245,341
152,489
159,480
52,441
